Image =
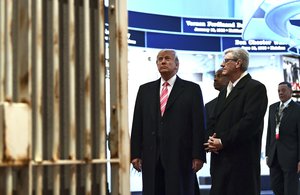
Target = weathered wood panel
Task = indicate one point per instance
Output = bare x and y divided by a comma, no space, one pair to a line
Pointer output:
53,61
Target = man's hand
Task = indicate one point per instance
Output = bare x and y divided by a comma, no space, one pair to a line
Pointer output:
137,164
213,144
197,165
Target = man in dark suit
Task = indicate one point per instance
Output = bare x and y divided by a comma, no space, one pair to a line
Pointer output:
283,142
168,146
220,83
236,129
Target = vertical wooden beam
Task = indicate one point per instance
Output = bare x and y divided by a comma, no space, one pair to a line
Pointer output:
8,89
22,57
51,94
2,73
37,63
9,181
102,145
56,83
9,51
72,122
22,93
119,92
56,96
87,79
2,49
36,77
80,94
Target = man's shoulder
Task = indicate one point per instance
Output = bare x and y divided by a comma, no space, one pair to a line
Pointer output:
211,102
256,82
186,82
253,83
296,104
274,104
149,84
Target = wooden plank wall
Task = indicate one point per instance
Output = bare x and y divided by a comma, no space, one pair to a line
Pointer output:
54,61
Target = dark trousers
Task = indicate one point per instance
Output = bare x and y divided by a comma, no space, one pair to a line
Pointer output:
197,189
283,181
160,181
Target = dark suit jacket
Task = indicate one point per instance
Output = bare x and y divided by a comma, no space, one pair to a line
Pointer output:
177,137
209,107
235,170
209,111
288,145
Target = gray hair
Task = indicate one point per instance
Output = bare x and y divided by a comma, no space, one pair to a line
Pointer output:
241,54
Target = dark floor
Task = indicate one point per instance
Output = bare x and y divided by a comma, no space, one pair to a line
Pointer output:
205,186
206,192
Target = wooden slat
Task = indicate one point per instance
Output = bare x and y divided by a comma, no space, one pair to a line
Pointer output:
87,80
9,51
36,77
72,122
30,72
9,181
2,70
55,79
56,95
29,100
118,95
2,49
9,78
102,145
71,41
87,77
37,49
80,94
22,84
21,88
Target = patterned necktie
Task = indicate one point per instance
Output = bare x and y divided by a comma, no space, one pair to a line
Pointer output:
164,98
278,120
281,109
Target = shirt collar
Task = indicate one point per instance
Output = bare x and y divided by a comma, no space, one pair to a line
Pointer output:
242,75
171,81
286,103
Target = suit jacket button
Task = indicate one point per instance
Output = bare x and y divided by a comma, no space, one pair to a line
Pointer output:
153,133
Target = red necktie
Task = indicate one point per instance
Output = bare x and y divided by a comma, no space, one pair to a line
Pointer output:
164,98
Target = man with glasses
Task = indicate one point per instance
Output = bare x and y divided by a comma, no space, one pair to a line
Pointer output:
236,128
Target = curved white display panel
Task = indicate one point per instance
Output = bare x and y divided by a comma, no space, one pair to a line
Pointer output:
275,20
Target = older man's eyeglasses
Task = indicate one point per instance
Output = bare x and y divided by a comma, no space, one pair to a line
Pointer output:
229,59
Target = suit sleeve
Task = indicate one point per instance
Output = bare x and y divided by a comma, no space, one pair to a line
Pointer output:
198,115
137,128
268,133
298,129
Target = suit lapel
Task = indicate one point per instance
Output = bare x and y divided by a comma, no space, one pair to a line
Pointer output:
287,111
220,103
154,94
234,93
275,112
